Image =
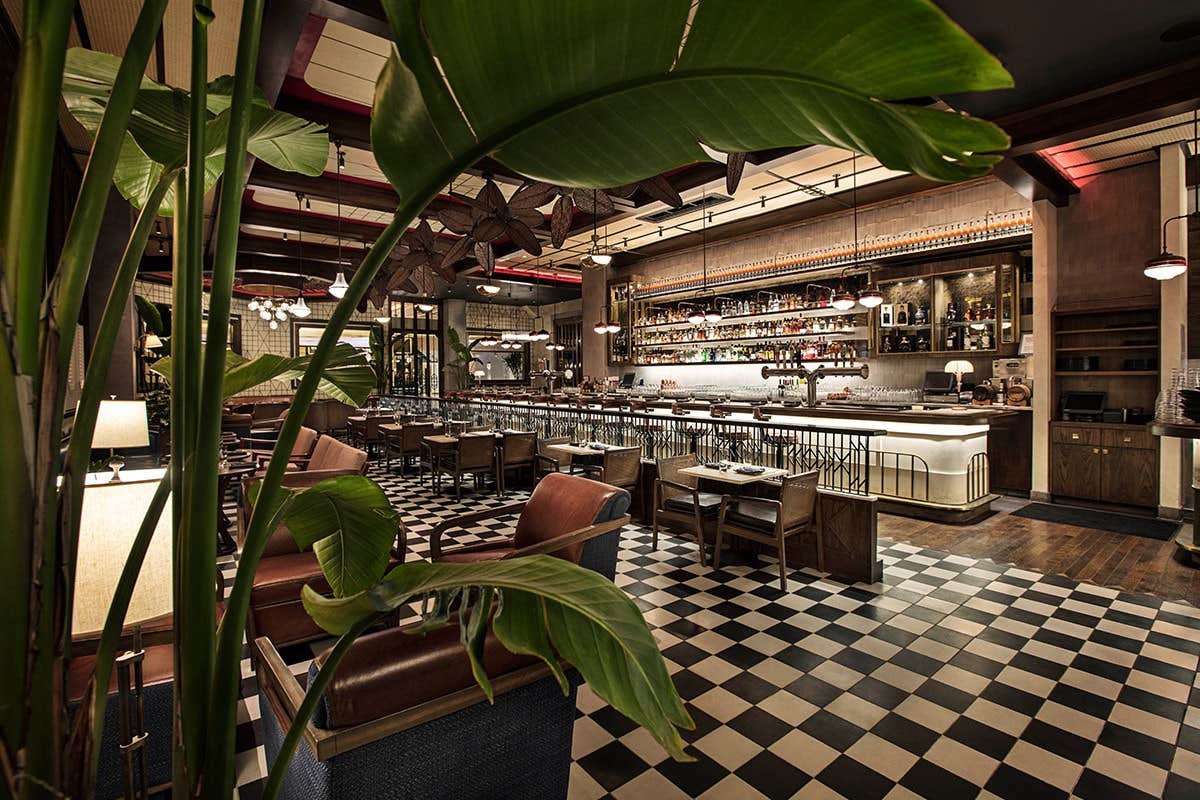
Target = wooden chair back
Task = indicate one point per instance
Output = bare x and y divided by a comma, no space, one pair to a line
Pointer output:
475,452
621,465
520,448
798,499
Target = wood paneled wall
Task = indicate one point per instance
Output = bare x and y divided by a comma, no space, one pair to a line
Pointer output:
1105,236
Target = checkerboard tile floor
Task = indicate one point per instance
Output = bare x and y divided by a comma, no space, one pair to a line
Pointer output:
953,678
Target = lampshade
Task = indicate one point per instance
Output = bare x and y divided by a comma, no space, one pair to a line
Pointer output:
696,317
300,308
152,342
959,367
424,308
870,298
843,301
1165,266
121,423
488,288
111,516
613,327
600,327
339,286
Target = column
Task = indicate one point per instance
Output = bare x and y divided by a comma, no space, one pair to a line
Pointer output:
121,378
595,345
454,317
1045,292
1172,201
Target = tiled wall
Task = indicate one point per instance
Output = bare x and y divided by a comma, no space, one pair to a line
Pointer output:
257,336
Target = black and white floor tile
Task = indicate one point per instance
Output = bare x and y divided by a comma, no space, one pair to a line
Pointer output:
953,678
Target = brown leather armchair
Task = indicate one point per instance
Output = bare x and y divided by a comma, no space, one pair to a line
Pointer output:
566,516
402,717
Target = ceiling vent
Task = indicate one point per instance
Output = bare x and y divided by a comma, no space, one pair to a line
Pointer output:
687,208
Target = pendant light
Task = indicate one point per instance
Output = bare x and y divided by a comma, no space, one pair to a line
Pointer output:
594,257
1167,265
871,296
709,312
339,286
541,334
300,308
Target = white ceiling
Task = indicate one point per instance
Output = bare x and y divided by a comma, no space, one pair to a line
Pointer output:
1085,159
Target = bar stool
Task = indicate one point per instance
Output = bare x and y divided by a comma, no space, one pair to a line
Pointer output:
732,440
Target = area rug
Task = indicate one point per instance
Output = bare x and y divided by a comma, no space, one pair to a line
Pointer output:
1145,527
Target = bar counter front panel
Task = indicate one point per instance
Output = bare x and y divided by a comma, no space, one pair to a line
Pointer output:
933,459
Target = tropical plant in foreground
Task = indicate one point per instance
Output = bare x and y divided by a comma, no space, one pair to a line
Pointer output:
591,94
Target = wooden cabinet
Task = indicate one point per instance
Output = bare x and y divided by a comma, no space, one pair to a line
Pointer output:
1105,463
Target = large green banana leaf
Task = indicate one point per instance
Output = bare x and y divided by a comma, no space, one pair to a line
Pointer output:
157,136
616,90
347,376
350,526
542,601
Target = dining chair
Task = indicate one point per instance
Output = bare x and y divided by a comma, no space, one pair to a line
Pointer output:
772,522
517,451
679,502
619,466
474,455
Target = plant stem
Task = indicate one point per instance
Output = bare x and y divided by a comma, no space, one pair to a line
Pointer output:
75,261
30,153
195,543
202,513
312,695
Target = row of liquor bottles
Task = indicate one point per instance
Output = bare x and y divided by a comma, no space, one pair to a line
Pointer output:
754,330
760,303
956,338
907,315
771,352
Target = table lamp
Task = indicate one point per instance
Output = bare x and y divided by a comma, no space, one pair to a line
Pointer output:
959,368
108,524
120,423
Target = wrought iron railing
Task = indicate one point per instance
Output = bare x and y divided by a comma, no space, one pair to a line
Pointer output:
843,456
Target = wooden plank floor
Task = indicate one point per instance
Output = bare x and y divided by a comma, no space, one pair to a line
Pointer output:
1131,563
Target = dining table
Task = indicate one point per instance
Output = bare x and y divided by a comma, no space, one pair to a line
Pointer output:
735,477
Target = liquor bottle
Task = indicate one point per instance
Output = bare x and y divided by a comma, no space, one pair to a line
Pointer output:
951,339
921,316
951,312
985,339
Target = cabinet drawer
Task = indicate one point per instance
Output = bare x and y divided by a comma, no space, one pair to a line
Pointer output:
1066,435
1140,439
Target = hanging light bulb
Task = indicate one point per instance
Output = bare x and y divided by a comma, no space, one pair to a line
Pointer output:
264,314
600,327
267,303
594,257
424,308
560,347
253,304
274,325
549,345
280,314
300,308
542,335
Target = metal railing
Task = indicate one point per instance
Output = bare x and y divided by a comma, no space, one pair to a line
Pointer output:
842,456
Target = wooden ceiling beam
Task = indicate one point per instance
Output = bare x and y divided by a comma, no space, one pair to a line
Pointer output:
350,229
1034,178
1142,98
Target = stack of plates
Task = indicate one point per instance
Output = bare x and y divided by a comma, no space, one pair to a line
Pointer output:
1189,403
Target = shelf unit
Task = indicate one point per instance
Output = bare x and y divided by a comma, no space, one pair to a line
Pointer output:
1097,461
985,298
748,308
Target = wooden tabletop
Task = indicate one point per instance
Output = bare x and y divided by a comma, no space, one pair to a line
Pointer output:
731,475
576,450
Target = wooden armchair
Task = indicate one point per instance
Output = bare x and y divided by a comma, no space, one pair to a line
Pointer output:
550,459
619,466
679,503
771,522
405,443
474,455
518,451
566,516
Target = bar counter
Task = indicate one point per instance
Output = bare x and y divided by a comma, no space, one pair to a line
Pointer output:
930,462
